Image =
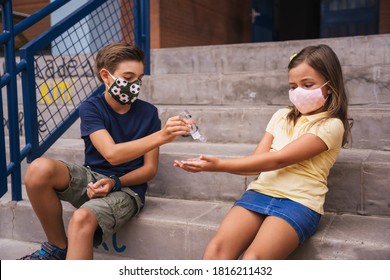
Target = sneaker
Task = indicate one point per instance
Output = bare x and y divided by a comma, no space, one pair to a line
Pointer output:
47,252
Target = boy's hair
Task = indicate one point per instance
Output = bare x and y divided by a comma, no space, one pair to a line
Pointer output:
324,60
112,54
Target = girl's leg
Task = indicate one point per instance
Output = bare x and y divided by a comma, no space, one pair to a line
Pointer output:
236,232
82,227
276,239
43,177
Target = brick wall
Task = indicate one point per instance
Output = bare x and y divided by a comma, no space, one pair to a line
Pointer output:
176,23
29,7
384,16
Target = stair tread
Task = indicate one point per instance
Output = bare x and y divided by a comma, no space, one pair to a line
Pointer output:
340,236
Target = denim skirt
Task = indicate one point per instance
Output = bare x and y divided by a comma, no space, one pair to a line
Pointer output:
304,220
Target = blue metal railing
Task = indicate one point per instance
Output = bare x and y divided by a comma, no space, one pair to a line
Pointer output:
56,73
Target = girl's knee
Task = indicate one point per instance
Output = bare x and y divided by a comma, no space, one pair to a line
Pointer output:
253,255
213,251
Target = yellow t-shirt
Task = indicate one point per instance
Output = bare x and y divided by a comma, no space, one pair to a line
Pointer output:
304,182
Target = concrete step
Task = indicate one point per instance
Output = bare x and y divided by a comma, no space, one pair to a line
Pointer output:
358,183
352,51
364,84
246,124
180,229
11,249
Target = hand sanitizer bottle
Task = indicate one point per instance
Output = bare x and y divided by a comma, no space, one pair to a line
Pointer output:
194,128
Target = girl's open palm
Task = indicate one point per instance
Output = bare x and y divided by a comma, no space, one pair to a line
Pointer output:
202,163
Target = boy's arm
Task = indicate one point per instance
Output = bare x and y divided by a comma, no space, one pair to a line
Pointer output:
123,152
136,177
144,173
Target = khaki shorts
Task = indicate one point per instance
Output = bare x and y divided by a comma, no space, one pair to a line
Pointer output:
111,212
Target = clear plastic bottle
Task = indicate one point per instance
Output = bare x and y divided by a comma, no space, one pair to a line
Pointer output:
194,128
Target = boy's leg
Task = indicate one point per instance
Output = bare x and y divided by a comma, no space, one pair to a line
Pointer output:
82,227
43,178
235,234
108,214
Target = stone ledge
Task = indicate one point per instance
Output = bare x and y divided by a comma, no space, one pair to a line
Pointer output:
352,51
358,182
180,229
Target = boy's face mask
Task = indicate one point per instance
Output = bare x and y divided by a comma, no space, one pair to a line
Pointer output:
123,91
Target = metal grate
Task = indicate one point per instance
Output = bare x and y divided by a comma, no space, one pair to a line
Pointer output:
64,69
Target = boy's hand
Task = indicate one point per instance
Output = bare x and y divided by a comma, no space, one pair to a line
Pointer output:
174,127
101,188
202,163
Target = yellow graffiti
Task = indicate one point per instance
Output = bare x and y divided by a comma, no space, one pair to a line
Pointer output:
55,91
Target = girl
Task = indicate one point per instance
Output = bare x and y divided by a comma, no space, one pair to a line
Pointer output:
283,206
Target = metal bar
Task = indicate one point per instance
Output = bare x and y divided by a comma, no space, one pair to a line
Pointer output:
3,166
4,37
12,98
142,29
20,66
39,15
29,100
4,80
52,33
145,27
137,35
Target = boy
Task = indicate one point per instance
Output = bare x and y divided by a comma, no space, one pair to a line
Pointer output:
121,136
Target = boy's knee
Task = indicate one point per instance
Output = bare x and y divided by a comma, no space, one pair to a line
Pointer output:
83,219
37,172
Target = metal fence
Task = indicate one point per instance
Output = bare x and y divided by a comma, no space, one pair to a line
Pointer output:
56,72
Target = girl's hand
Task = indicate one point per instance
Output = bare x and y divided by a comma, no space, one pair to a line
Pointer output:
100,188
202,163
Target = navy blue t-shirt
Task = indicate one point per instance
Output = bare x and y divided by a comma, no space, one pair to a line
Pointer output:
141,120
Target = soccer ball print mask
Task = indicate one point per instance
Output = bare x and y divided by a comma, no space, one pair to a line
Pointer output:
123,91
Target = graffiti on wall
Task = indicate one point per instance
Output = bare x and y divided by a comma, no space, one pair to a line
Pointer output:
58,80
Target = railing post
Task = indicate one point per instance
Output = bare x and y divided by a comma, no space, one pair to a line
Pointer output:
142,29
12,101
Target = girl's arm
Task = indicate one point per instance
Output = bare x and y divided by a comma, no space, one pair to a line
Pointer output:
303,148
263,147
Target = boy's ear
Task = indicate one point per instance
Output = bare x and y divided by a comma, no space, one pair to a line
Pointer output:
105,76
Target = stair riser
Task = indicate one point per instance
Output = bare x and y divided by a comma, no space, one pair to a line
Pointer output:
357,182
181,230
365,85
247,125
352,51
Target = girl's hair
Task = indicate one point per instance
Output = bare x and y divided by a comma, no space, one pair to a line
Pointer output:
112,54
323,60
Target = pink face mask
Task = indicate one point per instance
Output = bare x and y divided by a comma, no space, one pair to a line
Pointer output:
307,100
